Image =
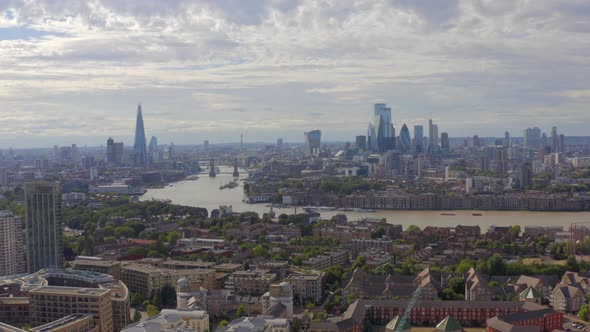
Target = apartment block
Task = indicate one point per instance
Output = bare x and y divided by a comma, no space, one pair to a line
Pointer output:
307,286
112,268
50,303
12,252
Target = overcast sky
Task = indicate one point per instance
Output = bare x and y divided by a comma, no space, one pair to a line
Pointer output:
74,71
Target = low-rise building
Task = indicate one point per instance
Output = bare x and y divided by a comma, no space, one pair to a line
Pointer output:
252,283
112,268
173,320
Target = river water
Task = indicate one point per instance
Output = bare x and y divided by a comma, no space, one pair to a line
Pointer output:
204,192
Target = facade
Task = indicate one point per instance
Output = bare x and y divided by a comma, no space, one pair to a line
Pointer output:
361,142
544,320
257,324
360,245
371,138
44,226
307,286
12,255
280,268
567,298
252,283
313,142
139,147
12,309
50,303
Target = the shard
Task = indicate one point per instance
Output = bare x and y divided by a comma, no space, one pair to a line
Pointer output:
139,147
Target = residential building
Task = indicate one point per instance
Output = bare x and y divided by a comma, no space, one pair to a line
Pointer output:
253,283
280,268
257,324
567,298
112,268
49,303
543,320
278,301
12,254
477,287
44,225
359,245
307,286
149,280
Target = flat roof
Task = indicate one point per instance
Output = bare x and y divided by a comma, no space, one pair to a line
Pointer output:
89,262
70,290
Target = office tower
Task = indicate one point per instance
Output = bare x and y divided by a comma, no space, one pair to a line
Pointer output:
418,138
484,164
544,142
501,160
525,174
279,143
3,176
171,151
75,153
55,152
507,139
115,151
430,133
435,136
361,142
476,143
554,140
312,142
12,253
241,142
444,142
405,139
153,151
381,110
206,146
49,303
532,138
372,138
139,147
43,220
561,144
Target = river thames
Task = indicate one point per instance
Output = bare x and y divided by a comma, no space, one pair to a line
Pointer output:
204,192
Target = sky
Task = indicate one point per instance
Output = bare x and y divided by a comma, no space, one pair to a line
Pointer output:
74,71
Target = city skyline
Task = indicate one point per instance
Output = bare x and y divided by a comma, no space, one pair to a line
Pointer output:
275,69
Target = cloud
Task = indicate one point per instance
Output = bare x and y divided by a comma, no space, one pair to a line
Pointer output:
277,67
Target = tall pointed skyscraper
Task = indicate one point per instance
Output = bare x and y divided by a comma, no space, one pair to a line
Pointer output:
139,147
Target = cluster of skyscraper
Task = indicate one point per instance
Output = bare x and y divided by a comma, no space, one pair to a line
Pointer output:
381,135
534,140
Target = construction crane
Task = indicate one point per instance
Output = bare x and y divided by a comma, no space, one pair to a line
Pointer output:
402,321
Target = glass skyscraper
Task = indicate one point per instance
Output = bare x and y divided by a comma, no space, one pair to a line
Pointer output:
405,139
44,225
139,147
313,141
418,138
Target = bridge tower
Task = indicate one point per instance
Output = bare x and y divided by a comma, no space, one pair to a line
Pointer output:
212,168
236,173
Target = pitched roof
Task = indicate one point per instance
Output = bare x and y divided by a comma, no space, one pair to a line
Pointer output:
449,324
530,293
393,324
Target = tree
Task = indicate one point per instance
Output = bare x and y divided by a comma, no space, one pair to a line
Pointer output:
223,323
136,299
359,262
173,236
152,310
259,251
515,231
457,284
136,316
465,265
413,229
168,294
496,265
572,264
378,233
240,311
583,313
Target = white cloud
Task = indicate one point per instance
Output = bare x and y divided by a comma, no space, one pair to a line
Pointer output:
281,66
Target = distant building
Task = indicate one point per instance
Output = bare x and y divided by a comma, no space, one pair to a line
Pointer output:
405,139
115,151
44,225
12,254
279,144
371,138
278,301
313,142
418,139
532,138
507,142
139,147
361,142
444,142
